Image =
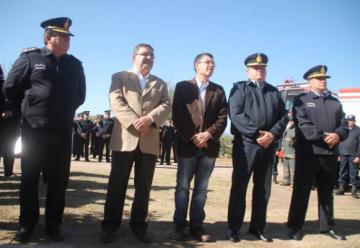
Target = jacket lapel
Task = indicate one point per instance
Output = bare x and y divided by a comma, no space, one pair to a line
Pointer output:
151,83
133,79
210,91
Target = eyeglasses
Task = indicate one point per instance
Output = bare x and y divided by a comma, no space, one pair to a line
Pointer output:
208,62
151,55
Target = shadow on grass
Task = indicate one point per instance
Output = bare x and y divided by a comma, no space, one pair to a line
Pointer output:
83,188
84,231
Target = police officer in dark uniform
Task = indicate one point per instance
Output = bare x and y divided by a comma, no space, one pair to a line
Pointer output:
108,125
349,159
96,138
86,128
167,140
94,141
9,123
49,84
76,135
258,118
320,125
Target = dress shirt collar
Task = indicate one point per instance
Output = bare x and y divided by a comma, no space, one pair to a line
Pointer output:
143,80
201,85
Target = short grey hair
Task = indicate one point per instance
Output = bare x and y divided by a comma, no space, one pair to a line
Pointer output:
138,46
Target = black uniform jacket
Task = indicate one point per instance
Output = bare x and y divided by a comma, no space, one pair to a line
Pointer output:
188,119
251,111
314,115
351,145
49,90
86,126
108,126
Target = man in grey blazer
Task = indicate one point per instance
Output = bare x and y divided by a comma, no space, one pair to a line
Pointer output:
140,103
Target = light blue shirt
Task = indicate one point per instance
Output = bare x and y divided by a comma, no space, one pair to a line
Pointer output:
202,93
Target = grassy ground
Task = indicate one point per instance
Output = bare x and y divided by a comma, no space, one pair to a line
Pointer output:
86,197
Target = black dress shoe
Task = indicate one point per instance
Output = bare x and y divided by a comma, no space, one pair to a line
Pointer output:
55,236
334,235
233,236
200,235
261,235
179,233
296,235
23,235
107,237
143,237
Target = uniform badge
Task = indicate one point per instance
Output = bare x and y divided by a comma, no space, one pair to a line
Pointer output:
310,104
322,70
66,24
259,59
39,67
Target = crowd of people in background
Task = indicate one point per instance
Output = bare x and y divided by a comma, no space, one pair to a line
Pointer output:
45,87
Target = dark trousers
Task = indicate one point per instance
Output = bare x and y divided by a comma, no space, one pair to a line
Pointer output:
75,144
8,164
349,171
248,159
165,154
50,151
104,143
121,166
83,147
323,168
7,153
8,136
96,145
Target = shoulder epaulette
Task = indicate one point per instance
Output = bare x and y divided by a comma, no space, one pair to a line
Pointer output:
239,83
30,49
301,94
73,58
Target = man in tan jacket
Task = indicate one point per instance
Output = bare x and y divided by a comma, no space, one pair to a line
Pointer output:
140,103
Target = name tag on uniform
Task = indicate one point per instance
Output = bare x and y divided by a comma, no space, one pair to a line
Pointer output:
310,104
39,67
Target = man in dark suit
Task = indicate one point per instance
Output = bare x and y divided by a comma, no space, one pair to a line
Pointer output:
140,103
108,125
200,116
258,119
320,125
49,84
349,159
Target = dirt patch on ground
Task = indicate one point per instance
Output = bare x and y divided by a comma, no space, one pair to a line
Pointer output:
86,197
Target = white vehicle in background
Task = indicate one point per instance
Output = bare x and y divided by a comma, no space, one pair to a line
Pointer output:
289,90
350,100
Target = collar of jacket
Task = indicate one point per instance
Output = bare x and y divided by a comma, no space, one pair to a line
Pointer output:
252,84
46,52
313,95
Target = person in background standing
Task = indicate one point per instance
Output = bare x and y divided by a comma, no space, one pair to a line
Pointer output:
349,159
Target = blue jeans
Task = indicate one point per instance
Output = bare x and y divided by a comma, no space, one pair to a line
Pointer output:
201,167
